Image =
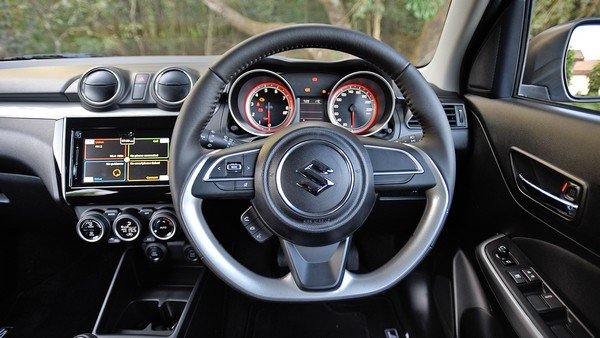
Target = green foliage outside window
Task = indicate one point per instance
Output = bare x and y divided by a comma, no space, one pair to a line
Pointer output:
206,27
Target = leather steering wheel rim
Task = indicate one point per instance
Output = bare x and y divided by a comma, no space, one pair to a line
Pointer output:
436,149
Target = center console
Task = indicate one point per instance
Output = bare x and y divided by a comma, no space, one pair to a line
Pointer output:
115,175
148,299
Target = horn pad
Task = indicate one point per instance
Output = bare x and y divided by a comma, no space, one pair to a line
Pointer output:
313,184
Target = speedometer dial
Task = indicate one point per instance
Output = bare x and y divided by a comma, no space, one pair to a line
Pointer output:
354,107
362,102
269,107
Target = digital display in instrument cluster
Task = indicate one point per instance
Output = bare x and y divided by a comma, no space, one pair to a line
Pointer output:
126,159
311,109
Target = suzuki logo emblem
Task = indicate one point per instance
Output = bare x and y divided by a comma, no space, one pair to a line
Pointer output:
315,173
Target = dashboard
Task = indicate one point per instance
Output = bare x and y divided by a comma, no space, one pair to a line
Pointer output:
97,131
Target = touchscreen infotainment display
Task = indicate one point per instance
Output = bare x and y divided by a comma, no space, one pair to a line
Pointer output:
121,158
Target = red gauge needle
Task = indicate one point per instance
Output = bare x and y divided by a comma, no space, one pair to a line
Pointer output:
351,109
268,114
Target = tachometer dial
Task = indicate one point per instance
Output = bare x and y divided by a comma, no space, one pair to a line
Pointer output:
269,107
354,107
262,102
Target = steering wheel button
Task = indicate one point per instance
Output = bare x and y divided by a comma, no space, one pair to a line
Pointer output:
248,216
244,185
252,228
219,170
234,167
262,235
249,162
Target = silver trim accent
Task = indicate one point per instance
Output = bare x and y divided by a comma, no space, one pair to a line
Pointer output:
58,149
285,289
89,192
57,144
118,92
345,78
159,75
401,172
547,194
166,214
135,220
59,110
230,102
218,160
527,324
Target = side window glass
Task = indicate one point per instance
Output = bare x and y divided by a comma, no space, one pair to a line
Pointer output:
563,56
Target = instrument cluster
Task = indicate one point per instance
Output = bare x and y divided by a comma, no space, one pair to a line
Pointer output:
263,102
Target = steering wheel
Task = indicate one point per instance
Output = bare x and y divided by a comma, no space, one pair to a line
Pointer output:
312,184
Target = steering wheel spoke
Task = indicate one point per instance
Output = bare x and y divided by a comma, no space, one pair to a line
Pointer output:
317,268
228,173
398,167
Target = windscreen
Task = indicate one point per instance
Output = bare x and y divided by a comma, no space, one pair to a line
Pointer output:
207,27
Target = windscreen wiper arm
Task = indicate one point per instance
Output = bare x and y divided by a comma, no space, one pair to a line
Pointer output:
49,56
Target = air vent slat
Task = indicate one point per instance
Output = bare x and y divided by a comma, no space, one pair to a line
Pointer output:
454,113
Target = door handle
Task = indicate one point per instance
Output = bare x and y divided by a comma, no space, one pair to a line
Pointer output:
563,206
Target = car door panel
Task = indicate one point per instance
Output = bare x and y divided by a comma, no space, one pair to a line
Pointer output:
562,137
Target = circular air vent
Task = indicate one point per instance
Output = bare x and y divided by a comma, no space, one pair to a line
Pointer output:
100,87
171,86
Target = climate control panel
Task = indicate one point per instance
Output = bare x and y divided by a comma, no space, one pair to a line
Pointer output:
118,224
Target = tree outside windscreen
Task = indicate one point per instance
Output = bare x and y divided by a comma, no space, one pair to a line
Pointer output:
207,27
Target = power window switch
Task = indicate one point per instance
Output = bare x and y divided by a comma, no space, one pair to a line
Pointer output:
560,331
537,303
507,261
517,276
551,300
530,274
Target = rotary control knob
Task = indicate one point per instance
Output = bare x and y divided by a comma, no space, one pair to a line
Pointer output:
93,226
127,226
163,225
